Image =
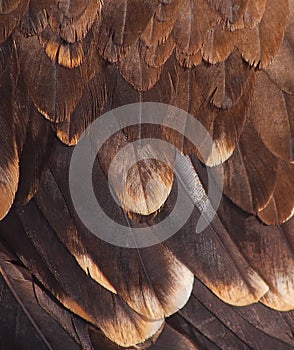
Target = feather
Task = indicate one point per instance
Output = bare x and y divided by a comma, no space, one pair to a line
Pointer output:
157,55
224,83
74,19
156,31
134,69
254,12
197,90
121,26
72,60
35,18
188,61
230,10
280,207
282,67
270,117
50,85
8,6
11,130
218,44
143,187
290,25
156,300
167,10
10,17
189,330
21,311
69,55
109,313
173,340
268,251
35,154
245,174
208,323
86,111
193,22
226,272
289,100
251,327
226,130
260,44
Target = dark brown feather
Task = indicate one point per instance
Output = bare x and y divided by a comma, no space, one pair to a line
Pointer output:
90,105
35,17
71,60
122,23
246,180
11,125
108,312
24,323
83,246
10,17
38,145
50,86
267,249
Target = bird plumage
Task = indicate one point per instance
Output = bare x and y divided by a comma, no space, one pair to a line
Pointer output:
229,64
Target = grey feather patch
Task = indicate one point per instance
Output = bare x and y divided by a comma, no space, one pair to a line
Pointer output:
189,179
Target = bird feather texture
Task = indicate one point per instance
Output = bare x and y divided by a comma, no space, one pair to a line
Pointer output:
229,64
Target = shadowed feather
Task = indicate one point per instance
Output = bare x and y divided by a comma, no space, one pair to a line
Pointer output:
229,64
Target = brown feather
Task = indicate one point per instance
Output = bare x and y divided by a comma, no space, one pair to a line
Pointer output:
270,117
156,31
38,328
254,12
108,312
134,279
50,86
224,83
122,23
167,10
215,259
86,111
35,18
34,156
250,174
194,20
11,126
259,45
267,249
230,10
134,69
225,124
280,207
218,44
289,100
7,6
74,60
9,20
281,70
157,55
74,22
250,327
188,61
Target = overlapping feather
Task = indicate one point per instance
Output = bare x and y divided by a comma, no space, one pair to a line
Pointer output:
229,64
